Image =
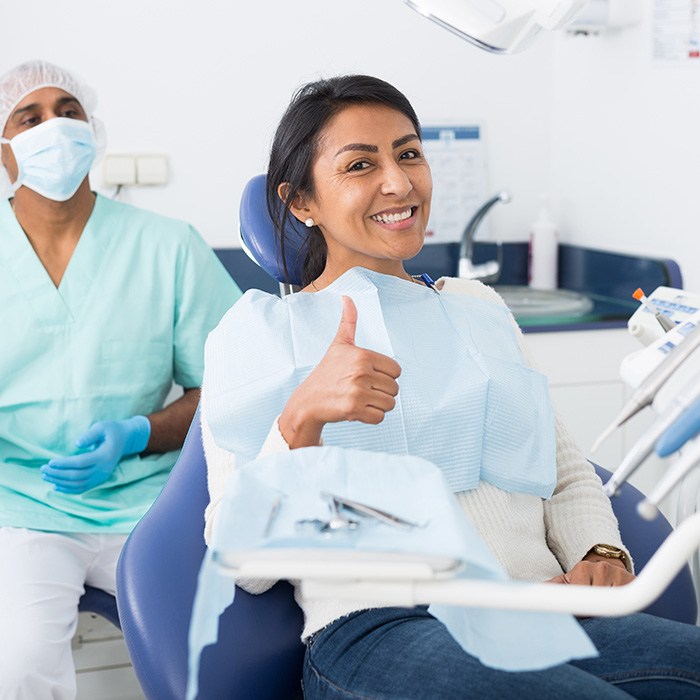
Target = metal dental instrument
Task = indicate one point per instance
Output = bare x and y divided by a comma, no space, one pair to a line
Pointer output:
647,390
649,507
645,445
273,516
369,511
337,520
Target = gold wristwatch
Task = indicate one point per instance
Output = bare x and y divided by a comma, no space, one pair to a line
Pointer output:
610,552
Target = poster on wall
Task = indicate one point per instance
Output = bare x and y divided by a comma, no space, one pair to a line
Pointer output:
458,163
676,31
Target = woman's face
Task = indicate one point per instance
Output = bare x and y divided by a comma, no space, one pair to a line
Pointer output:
372,190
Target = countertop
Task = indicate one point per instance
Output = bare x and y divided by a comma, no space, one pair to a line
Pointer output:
607,278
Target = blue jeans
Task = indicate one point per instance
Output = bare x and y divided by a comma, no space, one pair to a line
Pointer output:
406,654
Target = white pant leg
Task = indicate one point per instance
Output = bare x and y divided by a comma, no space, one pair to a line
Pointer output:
41,581
102,572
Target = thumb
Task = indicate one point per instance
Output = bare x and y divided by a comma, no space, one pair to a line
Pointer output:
348,323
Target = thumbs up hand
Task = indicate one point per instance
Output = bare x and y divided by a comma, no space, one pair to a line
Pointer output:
348,384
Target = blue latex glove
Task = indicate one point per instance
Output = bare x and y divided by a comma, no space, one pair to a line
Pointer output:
106,443
682,430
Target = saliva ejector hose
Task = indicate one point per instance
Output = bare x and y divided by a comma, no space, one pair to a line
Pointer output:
685,341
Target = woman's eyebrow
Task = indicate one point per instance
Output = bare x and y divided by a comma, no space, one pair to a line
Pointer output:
405,139
374,149
358,147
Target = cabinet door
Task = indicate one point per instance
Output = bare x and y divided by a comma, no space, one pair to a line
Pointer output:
583,368
585,409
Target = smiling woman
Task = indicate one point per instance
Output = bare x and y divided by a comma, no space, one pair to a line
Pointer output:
372,361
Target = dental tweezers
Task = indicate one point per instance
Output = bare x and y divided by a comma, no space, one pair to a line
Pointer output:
369,511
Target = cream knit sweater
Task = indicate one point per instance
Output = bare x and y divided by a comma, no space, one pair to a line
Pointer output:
532,538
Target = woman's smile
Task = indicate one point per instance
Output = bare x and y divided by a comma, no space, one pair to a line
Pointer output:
396,220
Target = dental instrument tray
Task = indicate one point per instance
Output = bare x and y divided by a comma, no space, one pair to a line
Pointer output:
325,512
327,546
332,563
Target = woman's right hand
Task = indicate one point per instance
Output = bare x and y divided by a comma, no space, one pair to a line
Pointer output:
348,384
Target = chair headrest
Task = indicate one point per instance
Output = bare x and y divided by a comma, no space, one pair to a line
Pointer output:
258,235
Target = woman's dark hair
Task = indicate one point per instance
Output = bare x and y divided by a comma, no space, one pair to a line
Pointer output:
295,144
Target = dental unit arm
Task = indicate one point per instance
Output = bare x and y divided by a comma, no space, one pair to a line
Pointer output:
665,424
679,344
684,429
663,365
681,434
498,26
419,582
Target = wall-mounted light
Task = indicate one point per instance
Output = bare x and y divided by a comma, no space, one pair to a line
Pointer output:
603,15
498,26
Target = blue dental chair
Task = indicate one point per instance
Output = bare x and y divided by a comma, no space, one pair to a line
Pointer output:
97,601
258,655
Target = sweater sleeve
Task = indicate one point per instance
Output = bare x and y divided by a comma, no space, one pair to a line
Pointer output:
220,465
579,514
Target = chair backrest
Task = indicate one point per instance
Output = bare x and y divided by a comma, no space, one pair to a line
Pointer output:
258,235
156,581
643,538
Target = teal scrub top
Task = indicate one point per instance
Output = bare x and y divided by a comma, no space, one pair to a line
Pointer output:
130,316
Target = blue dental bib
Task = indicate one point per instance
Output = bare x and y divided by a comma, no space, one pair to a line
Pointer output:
467,401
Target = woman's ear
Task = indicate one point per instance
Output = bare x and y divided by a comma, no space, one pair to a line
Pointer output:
299,206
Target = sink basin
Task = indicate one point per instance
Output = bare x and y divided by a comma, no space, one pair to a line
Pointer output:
526,303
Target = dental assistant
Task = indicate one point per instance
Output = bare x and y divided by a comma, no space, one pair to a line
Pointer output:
347,160
102,307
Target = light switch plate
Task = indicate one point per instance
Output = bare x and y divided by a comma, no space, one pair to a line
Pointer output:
152,170
119,170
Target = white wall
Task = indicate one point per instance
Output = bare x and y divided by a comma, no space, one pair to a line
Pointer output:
206,83
611,135
626,147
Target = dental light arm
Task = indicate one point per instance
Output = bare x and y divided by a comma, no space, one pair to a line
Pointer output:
498,26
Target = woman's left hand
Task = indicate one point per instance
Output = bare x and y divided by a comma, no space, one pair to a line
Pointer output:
594,570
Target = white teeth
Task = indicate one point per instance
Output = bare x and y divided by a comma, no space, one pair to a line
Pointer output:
393,218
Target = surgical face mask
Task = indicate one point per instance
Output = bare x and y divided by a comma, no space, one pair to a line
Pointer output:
54,157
